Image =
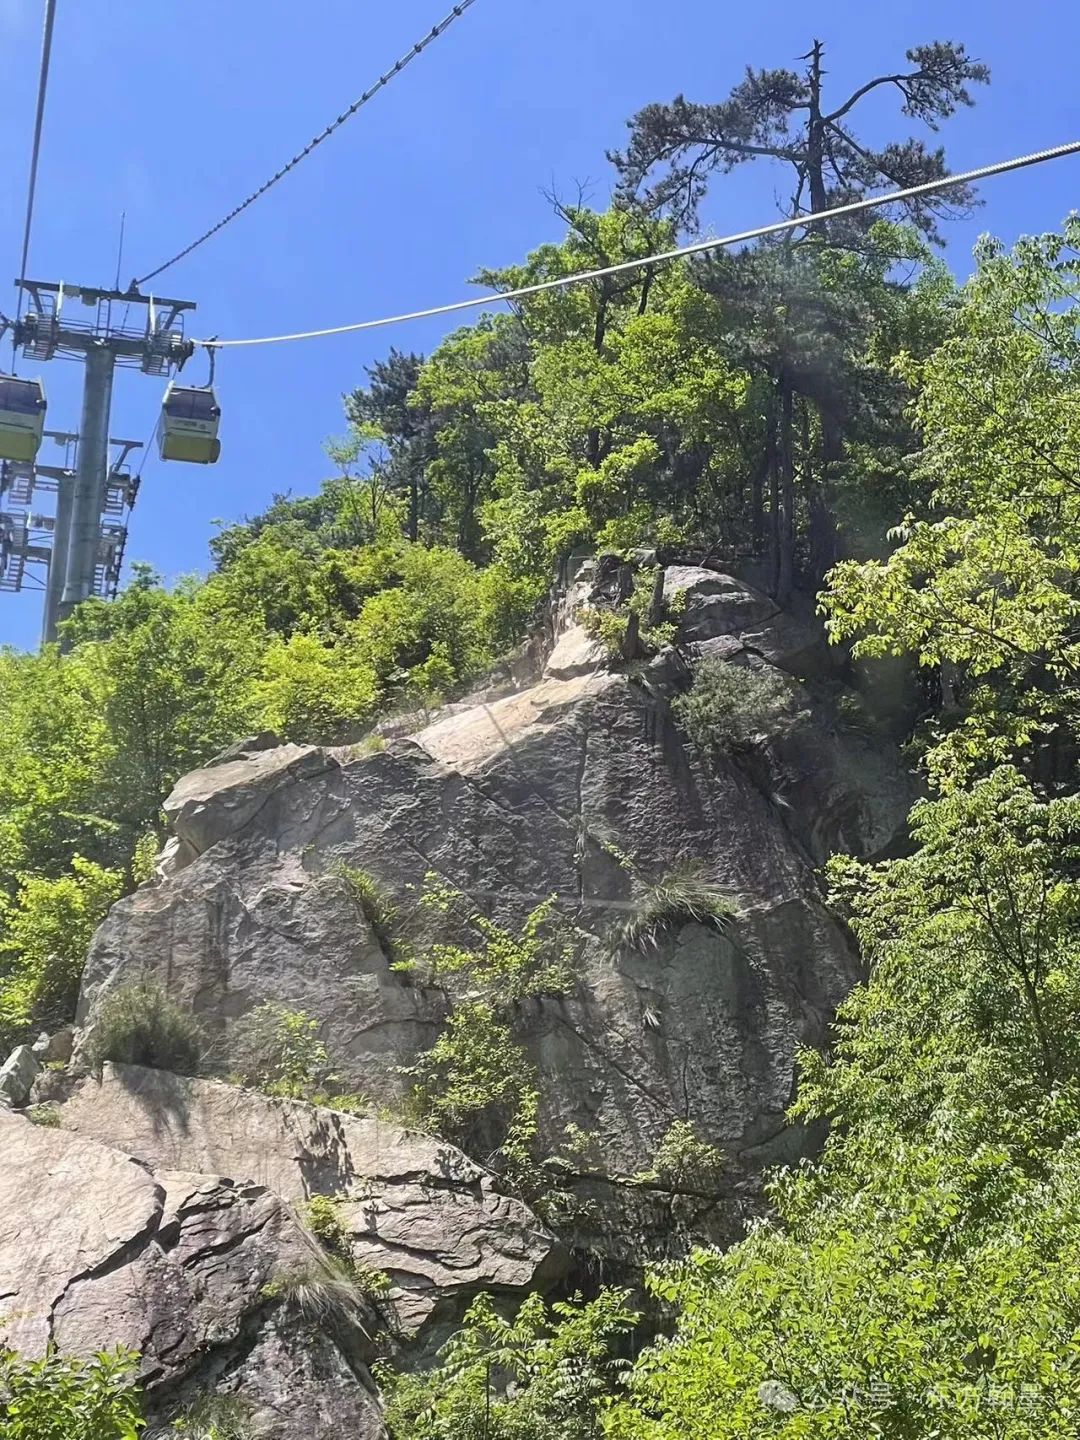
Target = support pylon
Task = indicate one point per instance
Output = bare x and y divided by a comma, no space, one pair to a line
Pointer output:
50,328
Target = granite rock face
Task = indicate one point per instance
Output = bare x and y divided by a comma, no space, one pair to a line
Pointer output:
414,1207
17,1076
162,1208
545,791
98,1250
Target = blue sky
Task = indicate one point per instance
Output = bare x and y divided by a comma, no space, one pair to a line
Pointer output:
172,110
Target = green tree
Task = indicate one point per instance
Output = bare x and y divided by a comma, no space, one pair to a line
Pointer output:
786,117
981,585
542,1375
61,1397
919,1279
45,933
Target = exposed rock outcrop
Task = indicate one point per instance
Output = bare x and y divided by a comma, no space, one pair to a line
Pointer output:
17,1076
413,1207
119,1228
534,794
159,1211
98,1250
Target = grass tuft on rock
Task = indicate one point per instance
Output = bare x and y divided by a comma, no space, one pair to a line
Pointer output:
684,896
141,1024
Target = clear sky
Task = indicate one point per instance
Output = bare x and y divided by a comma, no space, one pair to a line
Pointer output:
172,110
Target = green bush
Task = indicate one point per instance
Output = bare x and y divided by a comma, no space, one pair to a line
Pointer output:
504,965
545,1374
215,1417
730,707
610,625
683,897
278,1050
475,1083
44,937
141,1024
369,897
684,1161
62,1397
46,1115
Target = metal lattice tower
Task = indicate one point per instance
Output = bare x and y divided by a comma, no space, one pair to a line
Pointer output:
78,551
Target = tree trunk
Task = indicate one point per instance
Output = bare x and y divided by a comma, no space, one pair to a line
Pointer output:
824,537
785,575
757,503
772,467
815,146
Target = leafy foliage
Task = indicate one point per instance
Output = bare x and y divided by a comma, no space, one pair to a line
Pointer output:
541,1376
475,1085
215,1417
982,582
45,933
684,1161
785,116
322,1217
277,1049
141,1024
730,707
61,1397
914,1281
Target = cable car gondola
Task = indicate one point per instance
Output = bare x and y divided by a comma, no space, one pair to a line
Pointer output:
22,417
188,429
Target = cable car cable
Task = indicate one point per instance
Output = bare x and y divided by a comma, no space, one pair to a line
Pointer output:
39,120
369,94
698,247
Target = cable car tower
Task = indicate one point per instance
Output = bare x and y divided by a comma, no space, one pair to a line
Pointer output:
82,544
28,537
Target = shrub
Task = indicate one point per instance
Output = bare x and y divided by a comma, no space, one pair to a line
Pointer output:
47,1115
369,897
46,934
548,1373
141,1024
610,625
63,1397
276,1049
729,707
683,1161
505,966
144,857
322,1217
475,1078
325,1289
682,897
215,1417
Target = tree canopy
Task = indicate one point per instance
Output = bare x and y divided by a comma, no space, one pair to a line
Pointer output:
834,417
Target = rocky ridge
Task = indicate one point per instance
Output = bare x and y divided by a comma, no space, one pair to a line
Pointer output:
545,789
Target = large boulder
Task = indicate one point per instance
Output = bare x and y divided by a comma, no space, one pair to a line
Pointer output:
580,787
17,1076
413,1207
99,1250
719,607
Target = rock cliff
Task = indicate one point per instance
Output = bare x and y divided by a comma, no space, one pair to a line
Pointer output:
578,785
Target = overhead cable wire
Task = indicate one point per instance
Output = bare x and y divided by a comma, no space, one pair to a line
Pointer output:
39,121
369,94
698,247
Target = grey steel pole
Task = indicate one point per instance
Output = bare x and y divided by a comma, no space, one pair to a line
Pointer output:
65,499
91,473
